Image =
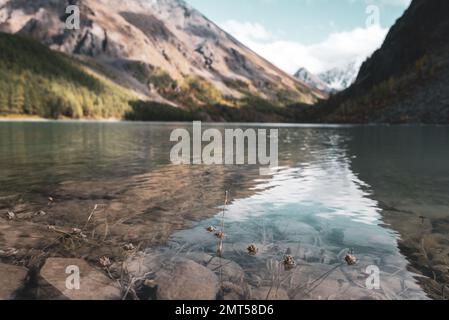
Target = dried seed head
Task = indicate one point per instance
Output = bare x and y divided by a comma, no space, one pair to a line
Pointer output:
288,262
105,261
220,234
128,247
252,249
11,215
350,259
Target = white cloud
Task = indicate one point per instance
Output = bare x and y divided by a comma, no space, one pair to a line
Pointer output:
247,30
337,50
400,3
403,3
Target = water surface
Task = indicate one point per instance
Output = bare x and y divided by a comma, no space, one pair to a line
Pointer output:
376,190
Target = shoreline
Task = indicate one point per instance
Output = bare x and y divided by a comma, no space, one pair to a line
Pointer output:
40,119
22,119
37,119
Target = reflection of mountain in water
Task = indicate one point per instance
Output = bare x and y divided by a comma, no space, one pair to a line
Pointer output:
407,170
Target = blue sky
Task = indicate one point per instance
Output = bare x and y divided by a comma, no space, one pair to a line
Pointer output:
301,29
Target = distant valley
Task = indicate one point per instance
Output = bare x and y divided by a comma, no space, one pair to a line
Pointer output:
164,60
164,52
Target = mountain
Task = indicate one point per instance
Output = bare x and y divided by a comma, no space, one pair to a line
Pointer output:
162,50
331,81
38,82
312,80
407,79
338,79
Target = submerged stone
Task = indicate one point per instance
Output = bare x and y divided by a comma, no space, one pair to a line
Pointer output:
74,279
186,280
12,279
268,293
227,270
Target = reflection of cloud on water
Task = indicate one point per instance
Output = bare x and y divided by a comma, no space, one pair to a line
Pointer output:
317,208
329,184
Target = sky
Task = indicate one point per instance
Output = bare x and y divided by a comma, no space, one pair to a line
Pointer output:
316,34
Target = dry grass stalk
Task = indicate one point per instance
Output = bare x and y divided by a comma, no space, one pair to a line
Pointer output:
274,269
315,283
90,216
127,281
220,234
8,252
106,226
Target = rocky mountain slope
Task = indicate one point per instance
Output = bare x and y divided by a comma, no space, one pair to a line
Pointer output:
407,79
162,49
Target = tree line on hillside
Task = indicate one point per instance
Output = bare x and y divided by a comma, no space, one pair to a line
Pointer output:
37,81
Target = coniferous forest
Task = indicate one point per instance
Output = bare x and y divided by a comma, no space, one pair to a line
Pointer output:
37,81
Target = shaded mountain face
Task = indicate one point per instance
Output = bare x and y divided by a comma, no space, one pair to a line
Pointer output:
423,29
162,49
407,79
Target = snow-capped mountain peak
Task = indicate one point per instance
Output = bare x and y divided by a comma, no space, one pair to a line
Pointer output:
333,80
311,80
339,79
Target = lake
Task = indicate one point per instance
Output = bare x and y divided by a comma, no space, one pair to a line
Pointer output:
380,192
